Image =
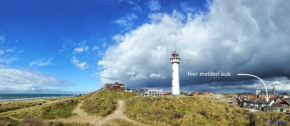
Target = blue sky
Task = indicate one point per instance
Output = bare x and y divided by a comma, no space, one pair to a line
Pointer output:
66,46
44,34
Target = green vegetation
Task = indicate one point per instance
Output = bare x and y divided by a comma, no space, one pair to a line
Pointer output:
8,106
86,96
105,102
118,122
6,121
36,122
61,109
195,111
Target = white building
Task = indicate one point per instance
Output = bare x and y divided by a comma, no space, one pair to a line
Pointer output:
175,73
146,91
152,92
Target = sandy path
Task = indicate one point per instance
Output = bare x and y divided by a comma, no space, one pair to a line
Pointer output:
79,116
118,113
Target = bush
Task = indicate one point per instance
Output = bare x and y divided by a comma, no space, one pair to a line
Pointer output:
177,115
202,112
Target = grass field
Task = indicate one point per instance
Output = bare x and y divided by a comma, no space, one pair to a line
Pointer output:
195,111
61,109
8,106
105,102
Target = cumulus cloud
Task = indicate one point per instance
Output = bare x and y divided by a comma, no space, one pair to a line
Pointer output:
81,65
236,36
154,5
41,62
127,21
12,80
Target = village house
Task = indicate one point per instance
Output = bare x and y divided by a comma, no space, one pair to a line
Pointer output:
152,92
117,86
250,103
286,105
262,104
146,92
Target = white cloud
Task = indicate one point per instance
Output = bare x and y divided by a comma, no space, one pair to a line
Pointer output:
41,62
80,65
154,5
95,48
81,49
1,52
2,39
236,36
156,76
22,80
7,60
186,8
10,50
104,44
137,8
21,51
126,21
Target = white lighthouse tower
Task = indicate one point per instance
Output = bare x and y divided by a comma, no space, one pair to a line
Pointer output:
175,73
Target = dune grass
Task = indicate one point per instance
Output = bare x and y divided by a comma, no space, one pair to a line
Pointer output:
195,111
61,109
36,122
8,106
118,122
105,102
6,121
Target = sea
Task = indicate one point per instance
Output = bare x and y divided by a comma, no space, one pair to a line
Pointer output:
22,97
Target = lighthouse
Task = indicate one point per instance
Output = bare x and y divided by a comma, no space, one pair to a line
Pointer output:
175,73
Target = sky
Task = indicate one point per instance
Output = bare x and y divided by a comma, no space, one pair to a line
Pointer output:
66,46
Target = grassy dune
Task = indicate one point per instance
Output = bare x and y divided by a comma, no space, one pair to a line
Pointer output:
61,109
105,102
195,111
8,106
36,122
118,122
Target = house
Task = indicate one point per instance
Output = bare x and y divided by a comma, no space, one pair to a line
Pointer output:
279,107
152,92
260,104
286,105
189,93
147,91
196,93
216,96
117,86
206,93
250,103
137,91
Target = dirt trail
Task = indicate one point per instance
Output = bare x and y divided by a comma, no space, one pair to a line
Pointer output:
118,113
79,116
95,94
